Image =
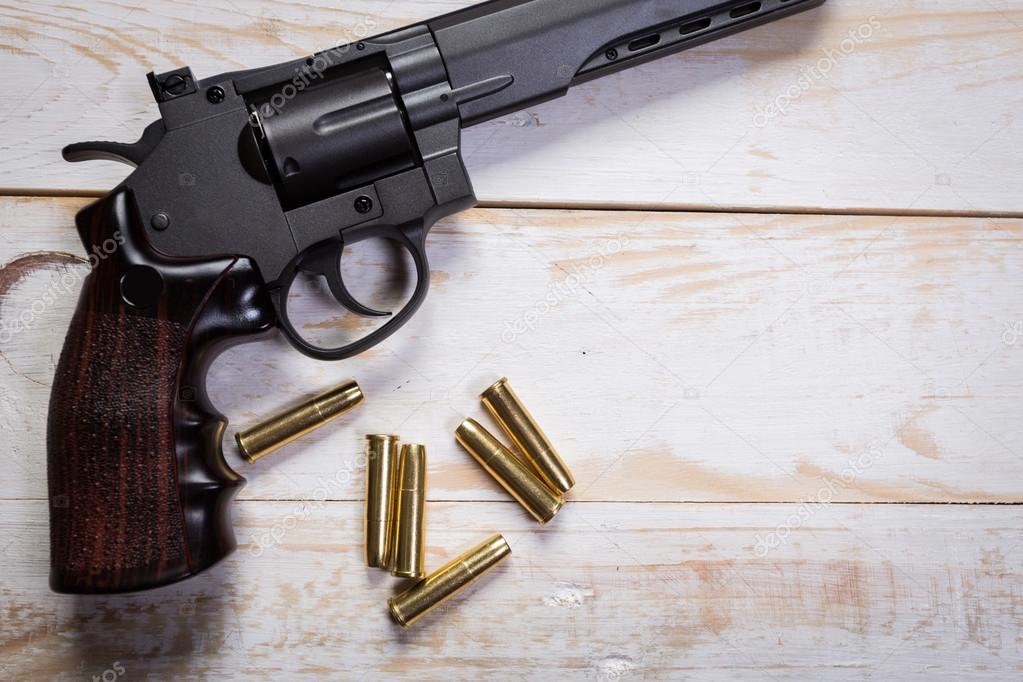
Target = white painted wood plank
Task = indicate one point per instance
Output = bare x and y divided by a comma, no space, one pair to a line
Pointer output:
918,110
672,357
608,591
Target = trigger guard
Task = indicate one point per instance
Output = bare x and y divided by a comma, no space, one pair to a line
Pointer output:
413,238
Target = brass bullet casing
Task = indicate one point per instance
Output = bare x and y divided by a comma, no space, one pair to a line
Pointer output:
501,401
525,486
381,474
446,582
276,432
410,519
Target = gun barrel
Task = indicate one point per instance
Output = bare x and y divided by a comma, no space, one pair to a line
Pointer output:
505,55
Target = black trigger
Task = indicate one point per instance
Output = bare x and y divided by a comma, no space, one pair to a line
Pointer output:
327,263
345,298
132,154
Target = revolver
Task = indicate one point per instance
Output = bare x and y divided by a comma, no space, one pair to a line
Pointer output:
251,179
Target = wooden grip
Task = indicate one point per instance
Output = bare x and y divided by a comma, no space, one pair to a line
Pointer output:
139,490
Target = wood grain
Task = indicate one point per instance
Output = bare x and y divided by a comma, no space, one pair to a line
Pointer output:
875,105
760,408
671,357
607,592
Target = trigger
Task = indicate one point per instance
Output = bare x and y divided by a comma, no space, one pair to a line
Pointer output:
327,262
345,298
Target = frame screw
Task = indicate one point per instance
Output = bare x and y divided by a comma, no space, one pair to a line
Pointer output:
611,54
216,94
160,222
363,204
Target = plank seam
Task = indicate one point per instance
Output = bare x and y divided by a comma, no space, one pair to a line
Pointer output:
23,193
751,210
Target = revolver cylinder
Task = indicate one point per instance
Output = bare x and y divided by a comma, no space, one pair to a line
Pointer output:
335,135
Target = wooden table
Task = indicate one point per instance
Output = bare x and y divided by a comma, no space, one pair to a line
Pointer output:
767,301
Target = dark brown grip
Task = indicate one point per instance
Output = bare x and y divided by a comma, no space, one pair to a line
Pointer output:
140,492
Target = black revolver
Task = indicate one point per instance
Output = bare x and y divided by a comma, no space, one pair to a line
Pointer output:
251,179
